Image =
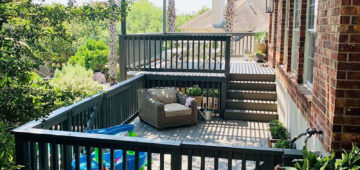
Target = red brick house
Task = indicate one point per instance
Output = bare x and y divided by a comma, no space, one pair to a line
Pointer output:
315,47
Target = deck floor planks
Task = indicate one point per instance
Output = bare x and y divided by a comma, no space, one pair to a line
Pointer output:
232,132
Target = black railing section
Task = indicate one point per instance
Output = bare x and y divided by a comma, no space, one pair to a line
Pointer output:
175,52
53,143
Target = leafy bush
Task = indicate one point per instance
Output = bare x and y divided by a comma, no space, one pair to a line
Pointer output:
261,37
312,161
194,91
74,83
283,143
7,145
92,55
349,160
278,131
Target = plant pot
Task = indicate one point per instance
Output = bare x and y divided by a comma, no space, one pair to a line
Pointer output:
260,47
210,103
198,100
259,58
271,140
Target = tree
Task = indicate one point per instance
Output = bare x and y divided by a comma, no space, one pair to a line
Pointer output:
229,15
112,44
171,16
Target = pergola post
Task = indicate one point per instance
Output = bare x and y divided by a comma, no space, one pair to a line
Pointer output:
164,16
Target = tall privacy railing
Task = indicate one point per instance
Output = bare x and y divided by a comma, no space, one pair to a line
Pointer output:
57,141
180,52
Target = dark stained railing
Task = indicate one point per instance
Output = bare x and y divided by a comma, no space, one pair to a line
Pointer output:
54,142
175,52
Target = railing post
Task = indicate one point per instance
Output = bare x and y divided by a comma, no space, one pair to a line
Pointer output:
122,57
176,159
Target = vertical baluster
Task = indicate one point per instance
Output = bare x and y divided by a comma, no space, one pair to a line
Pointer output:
165,52
155,49
257,162
243,45
100,158
221,54
193,53
43,156
176,46
202,167
243,161
127,40
161,160
251,43
33,155
190,160
207,94
188,53
139,53
209,55
150,62
124,158
144,61
133,56
54,156
171,53
88,157
149,159
216,160
198,55
204,54
136,159
161,44
77,157
247,43
215,45
230,161
112,159
182,54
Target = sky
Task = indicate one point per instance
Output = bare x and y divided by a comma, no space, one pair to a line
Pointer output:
182,6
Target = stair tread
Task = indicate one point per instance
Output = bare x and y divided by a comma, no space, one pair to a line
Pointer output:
253,91
254,82
251,111
252,101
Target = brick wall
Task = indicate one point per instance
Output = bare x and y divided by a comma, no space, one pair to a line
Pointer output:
273,36
279,52
333,104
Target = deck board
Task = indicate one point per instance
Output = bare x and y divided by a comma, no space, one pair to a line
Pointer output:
231,132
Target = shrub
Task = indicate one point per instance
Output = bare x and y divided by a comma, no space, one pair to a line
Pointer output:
278,131
349,160
194,91
283,143
211,93
92,55
74,83
7,145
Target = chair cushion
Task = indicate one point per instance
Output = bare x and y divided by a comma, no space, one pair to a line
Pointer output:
176,109
163,95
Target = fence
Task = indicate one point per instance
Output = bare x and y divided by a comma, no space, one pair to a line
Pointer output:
53,143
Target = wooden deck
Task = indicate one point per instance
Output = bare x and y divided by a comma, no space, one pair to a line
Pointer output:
229,132
237,66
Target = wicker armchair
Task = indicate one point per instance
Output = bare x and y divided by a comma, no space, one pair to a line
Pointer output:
157,113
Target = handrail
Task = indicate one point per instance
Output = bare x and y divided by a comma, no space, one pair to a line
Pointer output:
175,52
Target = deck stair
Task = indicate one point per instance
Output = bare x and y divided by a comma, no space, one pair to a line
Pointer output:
251,97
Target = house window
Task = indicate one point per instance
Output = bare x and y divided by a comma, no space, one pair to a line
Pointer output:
310,43
295,35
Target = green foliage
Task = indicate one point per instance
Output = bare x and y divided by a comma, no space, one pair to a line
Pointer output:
283,143
311,161
258,53
278,131
74,83
7,148
92,55
194,91
261,37
211,93
349,160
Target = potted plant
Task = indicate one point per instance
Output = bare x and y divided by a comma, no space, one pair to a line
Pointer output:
247,55
210,96
259,56
277,132
196,93
260,41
